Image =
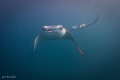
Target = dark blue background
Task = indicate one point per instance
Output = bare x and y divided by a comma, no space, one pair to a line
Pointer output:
21,22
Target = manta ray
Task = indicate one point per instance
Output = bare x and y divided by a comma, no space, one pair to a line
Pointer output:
56,32
81,26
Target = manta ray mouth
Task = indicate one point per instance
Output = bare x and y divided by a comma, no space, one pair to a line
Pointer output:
49,30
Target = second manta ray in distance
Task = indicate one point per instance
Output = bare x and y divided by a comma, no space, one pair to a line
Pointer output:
81,26
54,33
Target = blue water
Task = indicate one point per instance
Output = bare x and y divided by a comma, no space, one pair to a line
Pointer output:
21,21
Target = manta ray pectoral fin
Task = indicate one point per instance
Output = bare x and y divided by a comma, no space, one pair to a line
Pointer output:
94,21
68,35
80,51
32,54
36,42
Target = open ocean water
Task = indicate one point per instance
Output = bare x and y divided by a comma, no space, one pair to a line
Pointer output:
21,21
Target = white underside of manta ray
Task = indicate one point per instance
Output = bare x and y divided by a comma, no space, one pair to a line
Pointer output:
54,33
